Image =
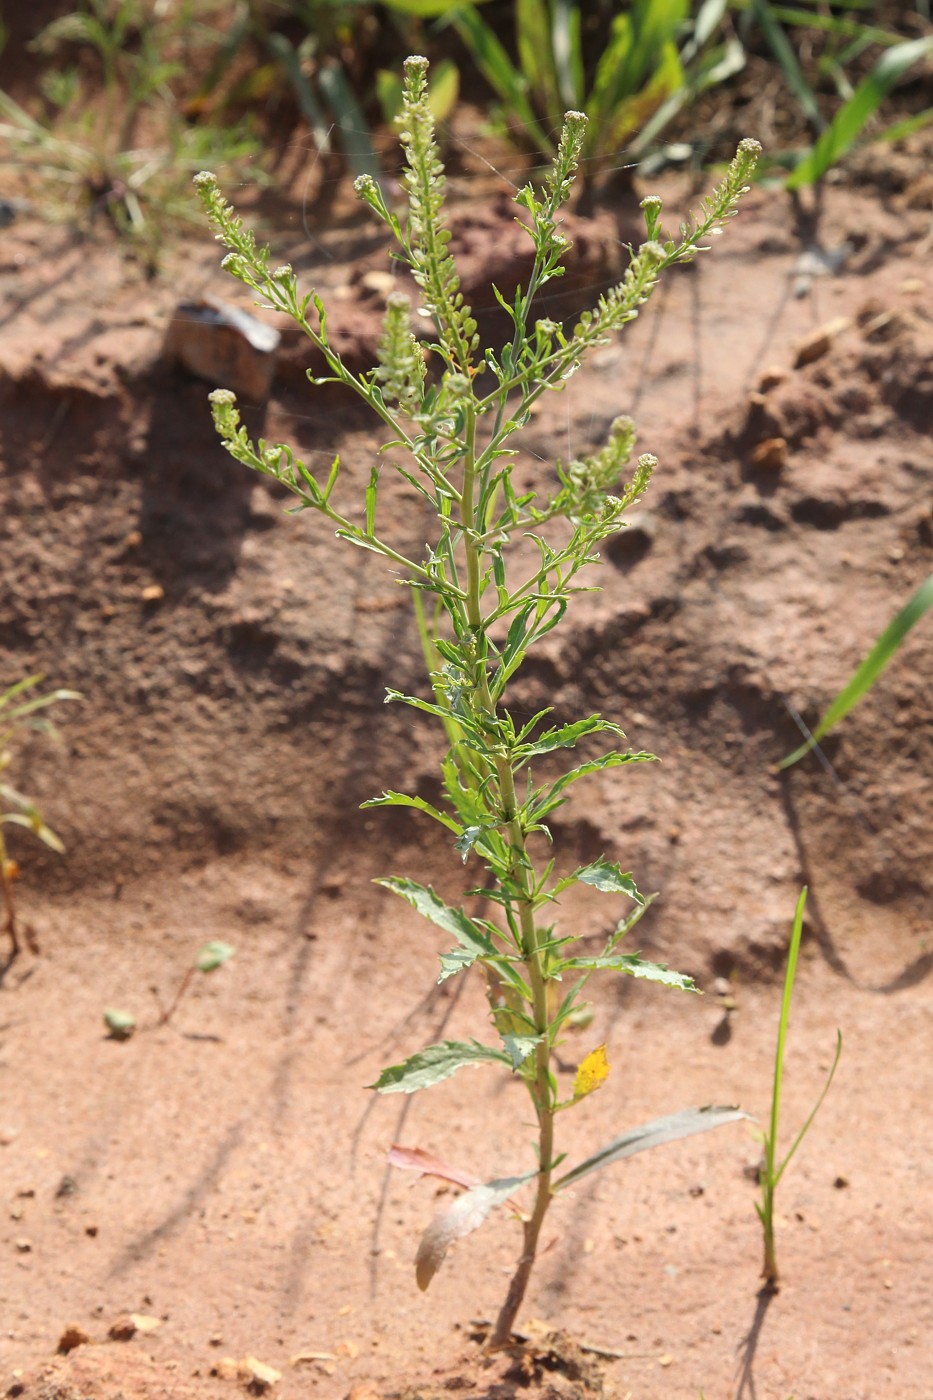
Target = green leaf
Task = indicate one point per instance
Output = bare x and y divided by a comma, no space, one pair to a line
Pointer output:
546,801
434,1064
519,1047
670,1128
871,668
635,966
567,735
784,52
606,876
500,72
213,955
850,120
401,799
474,943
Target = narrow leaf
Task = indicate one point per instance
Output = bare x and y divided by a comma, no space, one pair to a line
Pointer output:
402,799
871,668
553,797
635,966
670,1128
434,1064
567,735
474,943
850,120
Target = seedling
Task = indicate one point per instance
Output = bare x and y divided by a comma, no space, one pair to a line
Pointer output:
484,603
771,1173
21,708
122,1024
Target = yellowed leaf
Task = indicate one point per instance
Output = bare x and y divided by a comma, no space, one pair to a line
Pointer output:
591,1073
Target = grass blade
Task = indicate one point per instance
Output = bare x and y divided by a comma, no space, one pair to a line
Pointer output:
871,668
783,51
850,120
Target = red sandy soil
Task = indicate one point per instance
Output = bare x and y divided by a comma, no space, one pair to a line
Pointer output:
225,1174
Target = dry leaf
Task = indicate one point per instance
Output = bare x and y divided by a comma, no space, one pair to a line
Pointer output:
415,1159
467,1214
591,1073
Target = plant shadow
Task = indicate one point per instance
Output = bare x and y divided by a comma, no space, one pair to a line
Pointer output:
747,1389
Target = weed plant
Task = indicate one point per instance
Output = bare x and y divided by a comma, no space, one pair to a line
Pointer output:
22,707
452,437
772,1171
110,138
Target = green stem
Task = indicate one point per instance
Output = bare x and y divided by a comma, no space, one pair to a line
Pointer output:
520,875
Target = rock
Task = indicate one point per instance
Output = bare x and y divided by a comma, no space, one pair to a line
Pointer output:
770,455
259,1377
818,343
771,378
223,345
123,1329
72,1337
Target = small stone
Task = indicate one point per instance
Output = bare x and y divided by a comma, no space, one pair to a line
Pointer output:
145,1322
770,455
73,1336
24,1246
259,1377
123,1329
379,283
771,378
226,1369
91,1230
818,343
153,593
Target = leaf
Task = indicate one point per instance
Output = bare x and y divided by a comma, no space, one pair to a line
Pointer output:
402,799
592,1073
548,800
849,121
635,966
566,736
415,1159
670,1128
466,1214
120,1024
871,668
434,1064
474,943
519,1047
608,877
213,955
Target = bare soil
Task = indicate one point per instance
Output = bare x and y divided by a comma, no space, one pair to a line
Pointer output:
224,1175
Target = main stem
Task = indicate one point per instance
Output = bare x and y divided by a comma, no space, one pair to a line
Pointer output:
541,1086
